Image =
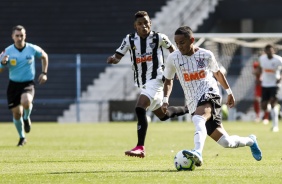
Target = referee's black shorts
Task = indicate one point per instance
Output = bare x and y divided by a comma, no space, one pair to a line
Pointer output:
16,89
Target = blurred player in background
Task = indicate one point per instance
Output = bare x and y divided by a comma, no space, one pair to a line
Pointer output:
258,94
270,66
145,47
198,73
19,58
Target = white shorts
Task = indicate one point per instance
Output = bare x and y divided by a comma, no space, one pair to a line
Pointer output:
153,89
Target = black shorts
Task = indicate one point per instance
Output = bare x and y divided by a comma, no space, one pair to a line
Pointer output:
16,89
269,92
215,120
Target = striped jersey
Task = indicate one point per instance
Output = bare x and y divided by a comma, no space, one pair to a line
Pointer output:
146,55
195,74
21,63
270,70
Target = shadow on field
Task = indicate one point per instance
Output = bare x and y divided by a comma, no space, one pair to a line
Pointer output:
79,172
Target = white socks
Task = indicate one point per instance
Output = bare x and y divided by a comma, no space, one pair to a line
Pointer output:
234,141
200,133
274,116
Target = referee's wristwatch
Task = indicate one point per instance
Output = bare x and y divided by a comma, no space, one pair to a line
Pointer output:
44,73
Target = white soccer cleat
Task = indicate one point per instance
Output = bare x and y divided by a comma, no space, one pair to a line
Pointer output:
275,129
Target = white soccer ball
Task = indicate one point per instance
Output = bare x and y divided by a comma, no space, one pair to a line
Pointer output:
181,163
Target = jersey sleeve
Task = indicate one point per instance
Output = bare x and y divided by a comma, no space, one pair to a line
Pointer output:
280,59
213,63
38,51
164,41
169,70
124,47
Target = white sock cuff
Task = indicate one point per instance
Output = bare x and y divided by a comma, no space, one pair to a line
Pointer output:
197,118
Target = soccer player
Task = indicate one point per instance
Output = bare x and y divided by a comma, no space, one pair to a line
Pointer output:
198,73
258,94
270,66
19,58
145,47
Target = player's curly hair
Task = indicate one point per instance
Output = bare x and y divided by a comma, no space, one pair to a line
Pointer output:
140,14
268,46
184,30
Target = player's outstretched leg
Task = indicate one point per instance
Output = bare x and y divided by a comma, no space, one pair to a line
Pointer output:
138,151
255,148
194,155
175,111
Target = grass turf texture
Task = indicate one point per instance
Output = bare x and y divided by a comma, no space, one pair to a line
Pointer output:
94,153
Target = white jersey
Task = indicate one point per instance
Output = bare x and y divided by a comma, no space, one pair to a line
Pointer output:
195,74
146,55
270,70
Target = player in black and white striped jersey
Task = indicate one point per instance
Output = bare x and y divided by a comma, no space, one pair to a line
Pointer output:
146,49
198,70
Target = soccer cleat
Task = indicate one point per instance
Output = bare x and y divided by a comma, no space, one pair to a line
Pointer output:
194,155
27,125
138,151
255,148
22,142
275,129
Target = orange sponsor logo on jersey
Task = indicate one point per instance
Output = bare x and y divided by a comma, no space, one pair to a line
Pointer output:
269,71
143,59
194,76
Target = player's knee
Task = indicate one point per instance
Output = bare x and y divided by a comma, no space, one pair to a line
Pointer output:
17,115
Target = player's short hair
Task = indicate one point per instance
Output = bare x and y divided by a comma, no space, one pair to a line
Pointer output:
268,46
140,14
184,30
18,28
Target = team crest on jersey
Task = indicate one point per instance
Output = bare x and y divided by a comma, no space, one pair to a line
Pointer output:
29,59
152,45
200,62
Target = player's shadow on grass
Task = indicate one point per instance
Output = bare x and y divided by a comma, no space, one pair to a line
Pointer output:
83,172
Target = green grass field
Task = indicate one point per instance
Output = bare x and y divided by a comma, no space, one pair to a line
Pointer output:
94,153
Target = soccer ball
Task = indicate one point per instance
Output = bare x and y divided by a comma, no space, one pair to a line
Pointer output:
181,163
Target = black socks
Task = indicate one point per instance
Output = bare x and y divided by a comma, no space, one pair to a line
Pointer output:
142,125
